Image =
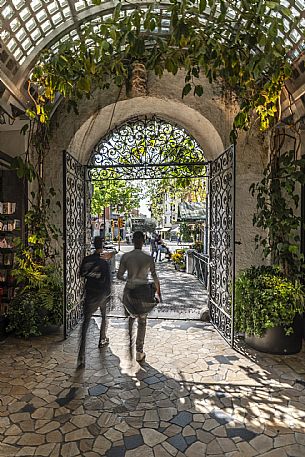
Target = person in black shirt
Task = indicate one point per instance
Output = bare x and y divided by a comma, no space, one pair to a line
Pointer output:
96,271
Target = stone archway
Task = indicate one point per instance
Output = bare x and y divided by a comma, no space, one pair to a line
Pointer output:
207,119
97,126
160,143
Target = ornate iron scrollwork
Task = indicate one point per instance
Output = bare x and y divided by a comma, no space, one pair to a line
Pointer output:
221,196
75,239
151,149
147,148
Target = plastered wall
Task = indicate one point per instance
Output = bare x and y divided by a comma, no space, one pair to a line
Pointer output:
208,119
12,142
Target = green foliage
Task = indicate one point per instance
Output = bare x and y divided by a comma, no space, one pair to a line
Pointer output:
42,235
156,199
38,300
119,194
249,59
24,169
178,257
198,245
266,299
186,232
182,189
38,303
277,201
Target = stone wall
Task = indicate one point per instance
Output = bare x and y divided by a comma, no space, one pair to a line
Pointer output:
208,119
12,142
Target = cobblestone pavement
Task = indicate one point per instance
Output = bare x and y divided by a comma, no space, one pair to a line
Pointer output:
194,396
175,287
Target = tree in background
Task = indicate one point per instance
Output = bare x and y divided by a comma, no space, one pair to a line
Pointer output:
149,225
183,189
186,232
119,194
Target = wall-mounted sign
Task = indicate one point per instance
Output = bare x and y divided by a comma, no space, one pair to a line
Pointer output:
191,212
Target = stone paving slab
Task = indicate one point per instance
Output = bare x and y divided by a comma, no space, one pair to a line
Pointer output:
183,296
194,396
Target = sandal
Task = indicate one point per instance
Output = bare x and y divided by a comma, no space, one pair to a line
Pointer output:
103,342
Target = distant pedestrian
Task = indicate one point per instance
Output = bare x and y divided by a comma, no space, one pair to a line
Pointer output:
159,248
138,265
95,269
166,251
153,247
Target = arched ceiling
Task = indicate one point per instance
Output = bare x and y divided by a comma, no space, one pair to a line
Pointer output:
28,26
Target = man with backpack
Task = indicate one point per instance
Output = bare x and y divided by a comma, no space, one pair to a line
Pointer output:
95,269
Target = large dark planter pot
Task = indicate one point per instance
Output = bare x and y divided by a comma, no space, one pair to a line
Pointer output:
51,329
274,340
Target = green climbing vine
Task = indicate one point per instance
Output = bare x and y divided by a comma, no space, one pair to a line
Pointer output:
278,197
238,45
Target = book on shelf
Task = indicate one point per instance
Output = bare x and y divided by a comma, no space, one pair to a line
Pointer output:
7,207
10,225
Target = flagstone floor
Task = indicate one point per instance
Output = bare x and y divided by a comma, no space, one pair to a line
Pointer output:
183,296
194,396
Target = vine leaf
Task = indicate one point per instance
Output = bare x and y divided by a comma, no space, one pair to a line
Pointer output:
186,90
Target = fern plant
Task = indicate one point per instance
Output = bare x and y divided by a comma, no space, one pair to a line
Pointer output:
37,274
38,299
37,304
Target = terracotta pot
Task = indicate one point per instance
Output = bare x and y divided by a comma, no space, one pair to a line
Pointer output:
275,341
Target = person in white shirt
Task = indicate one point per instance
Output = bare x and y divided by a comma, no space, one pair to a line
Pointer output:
138,265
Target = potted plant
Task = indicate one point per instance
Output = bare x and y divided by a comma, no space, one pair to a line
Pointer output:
198,246
179,259
270,299
268,309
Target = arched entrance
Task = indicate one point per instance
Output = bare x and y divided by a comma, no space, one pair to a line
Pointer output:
153,148
147,148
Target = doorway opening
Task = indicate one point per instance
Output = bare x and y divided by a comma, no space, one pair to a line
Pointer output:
145,149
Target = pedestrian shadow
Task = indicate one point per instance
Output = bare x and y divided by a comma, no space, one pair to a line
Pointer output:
183,296
141,400
114,406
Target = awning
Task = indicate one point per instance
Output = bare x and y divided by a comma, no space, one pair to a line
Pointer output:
165,229
191,212
175,230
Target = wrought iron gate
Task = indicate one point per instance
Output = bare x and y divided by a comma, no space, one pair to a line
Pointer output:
221,176
222,243
75,238
201,268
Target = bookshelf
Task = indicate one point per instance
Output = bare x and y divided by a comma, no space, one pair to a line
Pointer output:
12,207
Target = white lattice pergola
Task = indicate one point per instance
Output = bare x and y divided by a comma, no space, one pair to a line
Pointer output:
29,26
